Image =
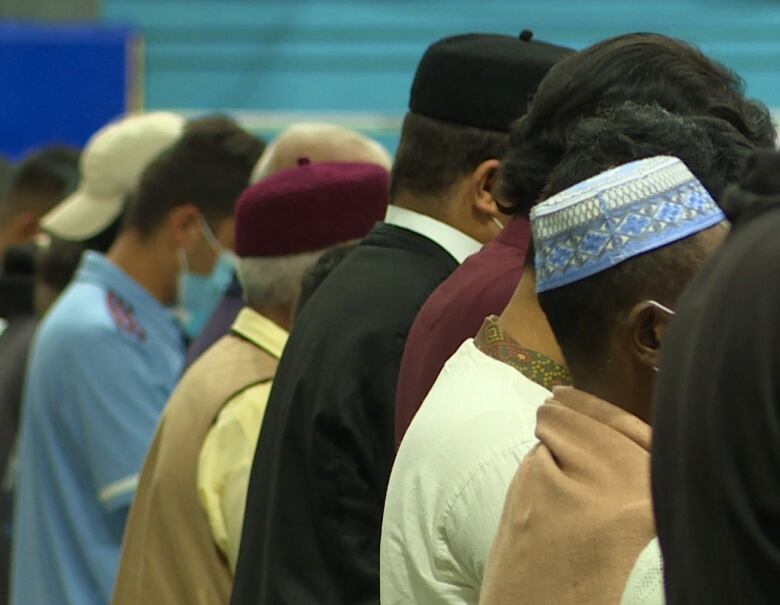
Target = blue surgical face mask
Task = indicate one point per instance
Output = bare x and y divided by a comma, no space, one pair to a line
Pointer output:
199,295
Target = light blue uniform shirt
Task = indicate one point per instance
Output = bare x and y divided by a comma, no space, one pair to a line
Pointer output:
102,366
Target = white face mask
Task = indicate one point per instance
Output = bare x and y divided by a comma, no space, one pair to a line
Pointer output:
664,309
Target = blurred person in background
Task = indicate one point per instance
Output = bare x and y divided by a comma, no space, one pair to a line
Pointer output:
319,142
644,68
34,187
455,464
183,533
612,255
109,352
314,507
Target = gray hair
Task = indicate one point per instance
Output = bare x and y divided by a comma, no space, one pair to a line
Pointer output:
275,280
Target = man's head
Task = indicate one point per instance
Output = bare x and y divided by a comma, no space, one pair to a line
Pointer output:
319,142
35,186
712,149
466,92
186,196
644,68
111,164
287,221
613,254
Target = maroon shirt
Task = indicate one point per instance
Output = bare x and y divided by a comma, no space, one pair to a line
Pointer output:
481,286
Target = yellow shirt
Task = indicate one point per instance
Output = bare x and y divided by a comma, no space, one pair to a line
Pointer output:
229,448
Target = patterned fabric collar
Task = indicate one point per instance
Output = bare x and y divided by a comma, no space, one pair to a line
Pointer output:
493,341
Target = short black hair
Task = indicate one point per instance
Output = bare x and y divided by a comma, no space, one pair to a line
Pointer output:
433,155
582,315
712,149
757,191
208,166
316,273
640,67
40,180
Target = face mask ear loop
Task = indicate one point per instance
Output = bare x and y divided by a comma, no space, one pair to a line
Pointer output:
184,266
210,237
498,223
661,307
665,309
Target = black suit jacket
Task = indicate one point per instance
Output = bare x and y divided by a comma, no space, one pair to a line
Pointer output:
317,489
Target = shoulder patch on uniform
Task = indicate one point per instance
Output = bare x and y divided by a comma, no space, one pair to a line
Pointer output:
124,316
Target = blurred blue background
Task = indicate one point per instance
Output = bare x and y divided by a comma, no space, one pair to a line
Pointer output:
276,61
358,56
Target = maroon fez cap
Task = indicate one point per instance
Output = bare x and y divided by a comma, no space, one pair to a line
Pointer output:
311,207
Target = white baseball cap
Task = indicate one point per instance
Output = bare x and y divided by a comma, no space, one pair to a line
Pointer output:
111,165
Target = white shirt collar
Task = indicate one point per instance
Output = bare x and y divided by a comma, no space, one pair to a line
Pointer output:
459,245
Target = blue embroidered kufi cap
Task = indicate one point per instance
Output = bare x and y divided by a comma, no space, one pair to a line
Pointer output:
616,215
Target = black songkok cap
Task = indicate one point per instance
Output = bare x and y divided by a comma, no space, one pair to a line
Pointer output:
481,80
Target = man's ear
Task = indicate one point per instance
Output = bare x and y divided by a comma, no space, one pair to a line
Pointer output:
183,224
24,227
484,181
225,232
647,324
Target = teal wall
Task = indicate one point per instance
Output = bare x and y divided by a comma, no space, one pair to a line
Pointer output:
359,55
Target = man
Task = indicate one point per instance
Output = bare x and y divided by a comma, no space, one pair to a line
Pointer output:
715,443
645,68
315,500
200,458
613,253
37,184
40,181
458,457
319,143
103,363
112,164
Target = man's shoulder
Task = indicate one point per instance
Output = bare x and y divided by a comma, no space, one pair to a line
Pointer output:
476,403
88,315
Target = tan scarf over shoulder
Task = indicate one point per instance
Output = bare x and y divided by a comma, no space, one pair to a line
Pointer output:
578,511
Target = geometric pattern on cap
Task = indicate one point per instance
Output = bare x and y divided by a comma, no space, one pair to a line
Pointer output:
616,215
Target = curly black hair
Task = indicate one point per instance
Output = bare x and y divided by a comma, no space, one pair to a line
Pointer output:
640,67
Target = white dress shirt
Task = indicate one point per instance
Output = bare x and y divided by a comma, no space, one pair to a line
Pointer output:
459,245
450,479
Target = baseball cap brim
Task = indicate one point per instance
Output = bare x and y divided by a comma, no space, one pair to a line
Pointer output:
81,216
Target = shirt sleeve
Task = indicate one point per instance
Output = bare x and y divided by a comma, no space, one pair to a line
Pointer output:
351,469
225,464
119,403
468,526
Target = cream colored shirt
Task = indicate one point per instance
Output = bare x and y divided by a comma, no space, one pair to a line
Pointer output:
229,448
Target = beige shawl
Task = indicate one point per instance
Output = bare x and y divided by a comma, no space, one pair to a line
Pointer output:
578,511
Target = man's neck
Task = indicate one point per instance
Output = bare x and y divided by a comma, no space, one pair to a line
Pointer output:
144,261
618,385
524,320
281,315
428,206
